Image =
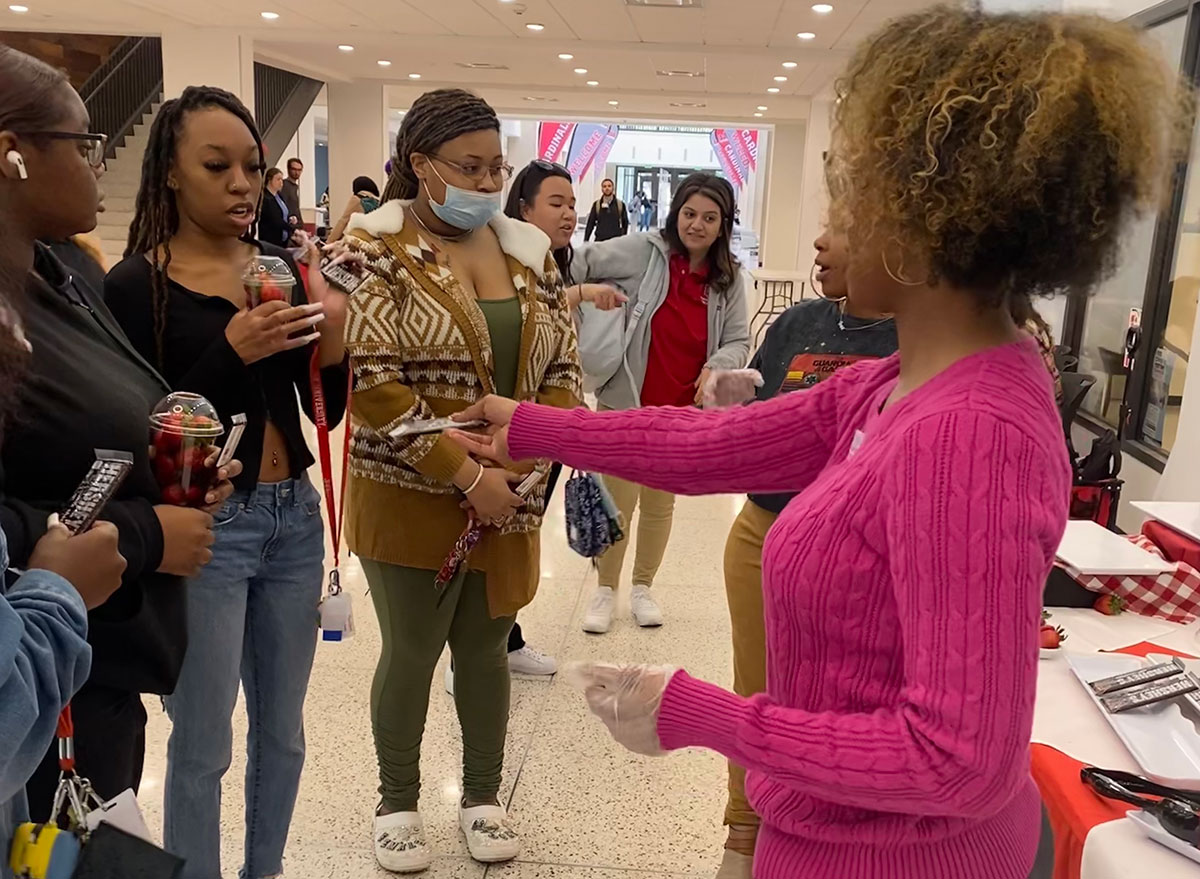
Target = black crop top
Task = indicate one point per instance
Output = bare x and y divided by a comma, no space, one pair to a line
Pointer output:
198,358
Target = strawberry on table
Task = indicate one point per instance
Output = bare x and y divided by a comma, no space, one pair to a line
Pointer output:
1110,605
1051,637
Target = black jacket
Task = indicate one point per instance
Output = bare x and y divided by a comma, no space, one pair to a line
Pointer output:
87,388
273,226
608,222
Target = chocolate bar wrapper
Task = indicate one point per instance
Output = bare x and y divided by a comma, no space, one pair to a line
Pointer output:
1159,691
1137,677
433,425
99,485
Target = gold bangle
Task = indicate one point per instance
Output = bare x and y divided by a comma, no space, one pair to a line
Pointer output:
475,484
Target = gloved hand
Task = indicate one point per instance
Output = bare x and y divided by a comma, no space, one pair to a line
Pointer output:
729,387
627,698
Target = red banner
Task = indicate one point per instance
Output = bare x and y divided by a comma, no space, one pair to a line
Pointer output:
749,139
553,138
602,151
726,156
584,144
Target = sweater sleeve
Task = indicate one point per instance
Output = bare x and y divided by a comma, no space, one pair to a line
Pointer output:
780,445
562,384
735,331
44,659
976,510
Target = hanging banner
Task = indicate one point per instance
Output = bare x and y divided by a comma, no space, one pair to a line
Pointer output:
724,150
584,143
740,153
553,138
606,145
749,139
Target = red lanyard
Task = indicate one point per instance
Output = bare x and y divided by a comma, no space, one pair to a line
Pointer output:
66,741
335,501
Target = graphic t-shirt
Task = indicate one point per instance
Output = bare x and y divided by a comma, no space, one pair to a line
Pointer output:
806,345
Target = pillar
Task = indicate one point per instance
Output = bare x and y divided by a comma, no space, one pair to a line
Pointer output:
814,208
358,134
784,198
208,56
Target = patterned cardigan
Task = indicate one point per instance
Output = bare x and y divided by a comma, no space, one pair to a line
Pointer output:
420,348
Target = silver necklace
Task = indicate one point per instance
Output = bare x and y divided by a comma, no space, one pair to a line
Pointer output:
449,239
842,320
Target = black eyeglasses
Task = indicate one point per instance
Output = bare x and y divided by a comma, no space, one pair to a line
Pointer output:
91,145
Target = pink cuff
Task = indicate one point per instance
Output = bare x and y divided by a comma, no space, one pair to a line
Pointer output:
695,713
533,431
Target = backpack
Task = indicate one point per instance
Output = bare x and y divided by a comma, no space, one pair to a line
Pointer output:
604,339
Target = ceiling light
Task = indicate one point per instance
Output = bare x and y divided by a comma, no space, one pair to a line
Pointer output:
269,16
565,56
781,79
613,103
534,26
593,82
681,4
20,10
581,70
806,35
790,65
822,8
761,107
773,90
758,114
480,65
414,76
345,47
383,63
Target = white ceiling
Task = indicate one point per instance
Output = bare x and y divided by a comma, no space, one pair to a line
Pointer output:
737,45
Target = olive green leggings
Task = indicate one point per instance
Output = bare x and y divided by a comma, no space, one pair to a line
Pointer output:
415,628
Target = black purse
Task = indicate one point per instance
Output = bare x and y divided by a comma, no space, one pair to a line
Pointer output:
111,853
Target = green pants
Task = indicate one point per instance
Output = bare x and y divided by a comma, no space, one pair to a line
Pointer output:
415,628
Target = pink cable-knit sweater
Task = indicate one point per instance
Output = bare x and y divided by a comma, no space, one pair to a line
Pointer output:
903,593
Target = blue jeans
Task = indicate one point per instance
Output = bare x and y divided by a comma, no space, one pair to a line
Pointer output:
252,614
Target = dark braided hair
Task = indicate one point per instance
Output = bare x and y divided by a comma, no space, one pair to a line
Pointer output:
433,119
156,217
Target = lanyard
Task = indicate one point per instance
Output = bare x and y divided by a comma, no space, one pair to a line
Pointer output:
335,500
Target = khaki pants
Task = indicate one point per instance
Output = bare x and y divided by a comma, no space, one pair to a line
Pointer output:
743,589
655,512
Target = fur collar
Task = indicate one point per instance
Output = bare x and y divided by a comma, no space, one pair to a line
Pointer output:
524,242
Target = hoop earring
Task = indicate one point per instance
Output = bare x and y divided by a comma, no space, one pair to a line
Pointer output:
812,282
893,275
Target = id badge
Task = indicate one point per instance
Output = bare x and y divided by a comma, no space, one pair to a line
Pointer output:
123,813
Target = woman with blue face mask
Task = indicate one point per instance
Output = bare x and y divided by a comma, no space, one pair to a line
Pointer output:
460,301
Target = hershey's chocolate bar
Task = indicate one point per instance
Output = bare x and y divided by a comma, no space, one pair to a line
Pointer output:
103,479
1158,691
1143,675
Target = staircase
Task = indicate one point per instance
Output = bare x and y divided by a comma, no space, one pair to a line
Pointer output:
120,185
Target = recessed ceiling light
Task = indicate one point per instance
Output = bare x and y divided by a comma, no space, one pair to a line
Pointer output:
414,76
790,65
269,16
773,90
345,47
565,56
534,26
383,63
781,79
758,114
20,10
593,82
806,35
581,70
761,107
613,103
822,8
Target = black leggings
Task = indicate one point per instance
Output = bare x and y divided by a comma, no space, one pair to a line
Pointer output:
515,640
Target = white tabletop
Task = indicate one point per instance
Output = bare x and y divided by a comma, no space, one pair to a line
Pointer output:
1090,548
1181,516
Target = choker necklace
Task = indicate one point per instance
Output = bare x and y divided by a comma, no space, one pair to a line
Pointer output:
842,320
448,239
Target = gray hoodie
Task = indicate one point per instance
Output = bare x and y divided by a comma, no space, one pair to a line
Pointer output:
638,264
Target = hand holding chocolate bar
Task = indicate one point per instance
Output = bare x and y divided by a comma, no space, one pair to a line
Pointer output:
90,561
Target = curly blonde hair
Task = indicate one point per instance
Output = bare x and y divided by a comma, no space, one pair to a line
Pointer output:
1002,153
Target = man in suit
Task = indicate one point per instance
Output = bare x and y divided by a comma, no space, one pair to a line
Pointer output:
274,224
608,217
291,190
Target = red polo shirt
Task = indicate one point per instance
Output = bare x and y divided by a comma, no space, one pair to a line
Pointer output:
678,338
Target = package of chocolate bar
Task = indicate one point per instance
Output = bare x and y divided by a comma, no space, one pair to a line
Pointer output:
1135,678
103,479
1148,694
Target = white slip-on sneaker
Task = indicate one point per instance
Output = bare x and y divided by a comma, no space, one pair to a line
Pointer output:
598,618
645,609
528,661
489,837
400,844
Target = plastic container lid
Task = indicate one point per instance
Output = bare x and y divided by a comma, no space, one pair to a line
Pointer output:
186,414
263,269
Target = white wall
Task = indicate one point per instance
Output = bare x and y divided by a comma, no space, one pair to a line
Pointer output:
358,115
303,146
784,198
204,56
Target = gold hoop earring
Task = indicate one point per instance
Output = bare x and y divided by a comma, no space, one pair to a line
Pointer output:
893,275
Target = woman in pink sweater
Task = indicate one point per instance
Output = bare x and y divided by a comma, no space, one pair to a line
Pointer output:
976,159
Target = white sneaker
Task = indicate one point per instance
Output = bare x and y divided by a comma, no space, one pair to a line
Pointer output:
528,661
645,609
400,844
598,618
448,678
489,838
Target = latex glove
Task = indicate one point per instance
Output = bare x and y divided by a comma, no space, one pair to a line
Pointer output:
627,698
730,387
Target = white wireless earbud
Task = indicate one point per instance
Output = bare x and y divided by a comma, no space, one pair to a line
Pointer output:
19,161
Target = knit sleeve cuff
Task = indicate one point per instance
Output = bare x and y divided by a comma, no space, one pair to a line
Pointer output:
698,714
536,432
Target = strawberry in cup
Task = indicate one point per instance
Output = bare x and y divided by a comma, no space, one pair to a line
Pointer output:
267,279
183,429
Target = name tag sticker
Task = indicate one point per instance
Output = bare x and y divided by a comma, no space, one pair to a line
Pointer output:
856,443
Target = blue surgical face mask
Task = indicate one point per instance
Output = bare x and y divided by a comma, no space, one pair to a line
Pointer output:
464,209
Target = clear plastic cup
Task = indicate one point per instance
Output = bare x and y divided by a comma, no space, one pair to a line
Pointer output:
267,279
183,427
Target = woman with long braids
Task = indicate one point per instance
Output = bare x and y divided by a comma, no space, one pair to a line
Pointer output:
460,301
252,614
979,158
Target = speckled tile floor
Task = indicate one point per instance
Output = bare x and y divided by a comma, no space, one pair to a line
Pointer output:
586,808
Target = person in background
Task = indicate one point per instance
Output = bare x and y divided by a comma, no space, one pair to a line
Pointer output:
807,344
274,227
695,320
1026,317
364,200
83,387
903,584
252,614
646,216
291,192
459,300
608,217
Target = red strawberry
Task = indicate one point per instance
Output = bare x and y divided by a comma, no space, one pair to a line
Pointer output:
272,293
195,496
165,470
1052,637
1110,605
175,496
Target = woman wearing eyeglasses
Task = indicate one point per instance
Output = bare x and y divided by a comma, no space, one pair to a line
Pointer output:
460,301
